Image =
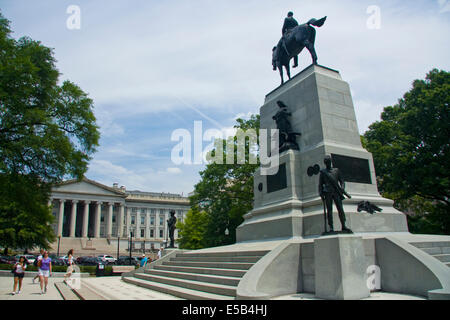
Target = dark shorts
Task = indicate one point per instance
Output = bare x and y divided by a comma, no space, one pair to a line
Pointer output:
19,275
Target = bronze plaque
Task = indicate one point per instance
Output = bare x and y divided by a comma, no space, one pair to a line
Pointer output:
277,181
353,169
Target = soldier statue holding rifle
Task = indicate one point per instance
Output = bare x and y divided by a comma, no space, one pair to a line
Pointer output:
332,189
171,226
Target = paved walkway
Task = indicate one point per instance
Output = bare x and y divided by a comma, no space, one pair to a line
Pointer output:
30,291
113,288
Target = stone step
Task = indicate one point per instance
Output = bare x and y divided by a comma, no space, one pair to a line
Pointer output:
210,271
432,251
220,265
431,244
190,284
66,292
442,257
224,254
216,259
229,281
176,291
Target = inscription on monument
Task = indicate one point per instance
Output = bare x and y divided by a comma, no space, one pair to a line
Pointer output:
277,181
353,169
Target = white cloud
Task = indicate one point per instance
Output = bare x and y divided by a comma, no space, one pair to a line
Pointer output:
175,170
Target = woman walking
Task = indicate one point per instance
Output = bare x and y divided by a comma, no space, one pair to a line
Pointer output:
45,270
70,266
19,272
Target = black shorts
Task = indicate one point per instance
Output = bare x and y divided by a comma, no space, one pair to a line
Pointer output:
19,275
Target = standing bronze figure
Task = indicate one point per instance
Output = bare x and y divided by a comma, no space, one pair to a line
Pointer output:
294,40
332,189
171,222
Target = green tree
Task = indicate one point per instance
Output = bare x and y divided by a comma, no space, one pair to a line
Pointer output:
192,230
47,132
225,192
410,146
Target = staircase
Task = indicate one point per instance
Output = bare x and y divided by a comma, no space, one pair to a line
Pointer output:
198,276
439,250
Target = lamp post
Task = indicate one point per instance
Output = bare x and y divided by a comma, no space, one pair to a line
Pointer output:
131,242
118,246
59,240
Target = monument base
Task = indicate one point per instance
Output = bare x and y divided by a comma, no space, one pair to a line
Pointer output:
339,270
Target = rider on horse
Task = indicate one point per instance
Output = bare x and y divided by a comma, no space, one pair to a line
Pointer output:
289,24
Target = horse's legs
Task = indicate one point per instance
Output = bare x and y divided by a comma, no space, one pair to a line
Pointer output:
288,70
280,67
312,50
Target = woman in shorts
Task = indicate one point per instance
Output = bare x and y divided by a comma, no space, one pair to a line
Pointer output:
70,266
45,271
19,272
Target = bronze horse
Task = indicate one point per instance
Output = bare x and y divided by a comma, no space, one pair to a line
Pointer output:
294,42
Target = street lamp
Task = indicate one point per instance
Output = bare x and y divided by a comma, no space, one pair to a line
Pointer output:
59,240
131,242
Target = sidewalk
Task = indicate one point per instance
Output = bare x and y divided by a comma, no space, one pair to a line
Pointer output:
30,291
113,288
108,288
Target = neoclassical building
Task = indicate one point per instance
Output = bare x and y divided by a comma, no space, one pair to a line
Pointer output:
87,209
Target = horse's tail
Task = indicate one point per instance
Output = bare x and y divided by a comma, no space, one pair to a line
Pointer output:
317,23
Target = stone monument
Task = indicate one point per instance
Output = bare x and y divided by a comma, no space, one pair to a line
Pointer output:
288,204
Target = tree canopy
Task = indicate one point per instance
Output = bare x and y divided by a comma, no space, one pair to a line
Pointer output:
410,146
48,131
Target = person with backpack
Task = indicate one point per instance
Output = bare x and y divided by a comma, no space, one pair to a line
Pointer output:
45,271
35,263
19,273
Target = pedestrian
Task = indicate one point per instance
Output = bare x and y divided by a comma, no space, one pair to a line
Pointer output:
36,263
19,272
45,271
70,265
160,252
144,261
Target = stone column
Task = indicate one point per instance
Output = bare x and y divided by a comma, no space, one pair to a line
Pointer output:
109,220
128,222
147,225
73,218
98,213
61,217
120,224
138,224
85,219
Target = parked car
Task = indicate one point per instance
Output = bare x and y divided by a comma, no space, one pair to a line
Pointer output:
28,257
57,261
127,261
7,260
107,258
87,261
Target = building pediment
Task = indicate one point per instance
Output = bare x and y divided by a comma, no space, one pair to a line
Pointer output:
86,186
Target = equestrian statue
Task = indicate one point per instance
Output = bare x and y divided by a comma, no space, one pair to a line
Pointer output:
295,38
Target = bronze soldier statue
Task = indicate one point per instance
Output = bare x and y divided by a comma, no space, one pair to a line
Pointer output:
171,222
332,189
289,24
287,135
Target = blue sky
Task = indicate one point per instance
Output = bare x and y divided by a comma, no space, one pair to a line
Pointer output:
152,67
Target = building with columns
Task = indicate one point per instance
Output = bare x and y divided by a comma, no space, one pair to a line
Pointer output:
91,216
